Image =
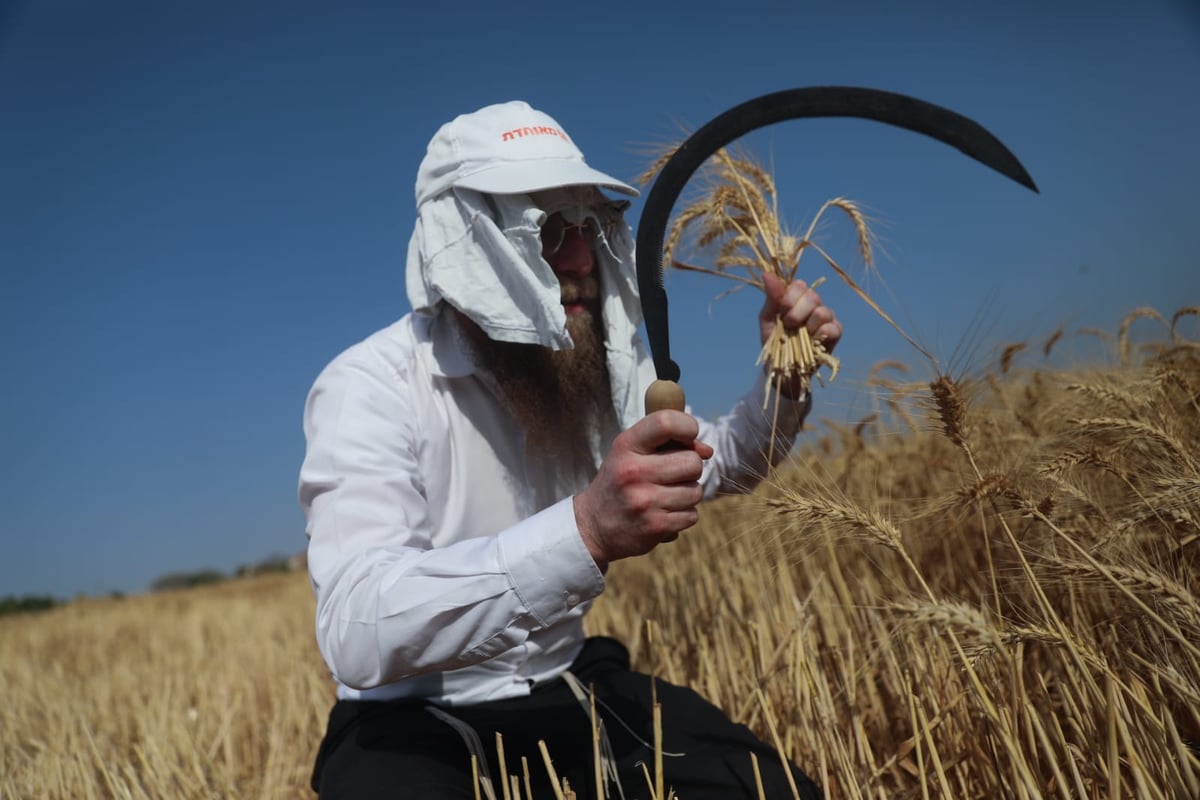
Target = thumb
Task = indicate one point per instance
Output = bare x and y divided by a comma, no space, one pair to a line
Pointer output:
660,428
774,289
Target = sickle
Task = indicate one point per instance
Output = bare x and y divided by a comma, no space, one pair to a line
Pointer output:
817,101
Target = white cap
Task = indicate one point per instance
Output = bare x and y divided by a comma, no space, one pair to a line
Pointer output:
509,148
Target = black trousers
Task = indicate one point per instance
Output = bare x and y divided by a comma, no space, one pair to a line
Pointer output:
399,750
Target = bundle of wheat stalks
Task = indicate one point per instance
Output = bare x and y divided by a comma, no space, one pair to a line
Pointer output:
736,214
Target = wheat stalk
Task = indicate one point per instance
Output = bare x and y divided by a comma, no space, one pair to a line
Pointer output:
737,215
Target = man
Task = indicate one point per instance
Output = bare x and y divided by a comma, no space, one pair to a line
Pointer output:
474,468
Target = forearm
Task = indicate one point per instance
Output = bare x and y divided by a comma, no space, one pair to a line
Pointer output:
742,439
393,612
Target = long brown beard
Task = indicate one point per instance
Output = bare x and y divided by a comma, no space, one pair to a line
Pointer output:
555,396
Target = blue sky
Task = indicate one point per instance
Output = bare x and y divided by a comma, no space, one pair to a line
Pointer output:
202,203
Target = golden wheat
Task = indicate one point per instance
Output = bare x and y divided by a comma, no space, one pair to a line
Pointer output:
984,607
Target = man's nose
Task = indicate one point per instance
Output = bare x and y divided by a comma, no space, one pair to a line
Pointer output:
575,256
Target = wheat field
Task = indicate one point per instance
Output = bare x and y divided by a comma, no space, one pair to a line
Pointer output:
985,588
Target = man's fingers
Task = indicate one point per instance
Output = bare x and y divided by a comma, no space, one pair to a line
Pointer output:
800,306
681,497
678,521
820,317
678,466
675,521
800,303
829,334
657,429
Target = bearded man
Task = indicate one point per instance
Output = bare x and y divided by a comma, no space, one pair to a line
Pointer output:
474,468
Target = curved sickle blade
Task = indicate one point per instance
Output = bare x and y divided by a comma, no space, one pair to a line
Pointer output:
818,101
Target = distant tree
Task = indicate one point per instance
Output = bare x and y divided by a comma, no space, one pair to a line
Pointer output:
26,604
274,563
186,580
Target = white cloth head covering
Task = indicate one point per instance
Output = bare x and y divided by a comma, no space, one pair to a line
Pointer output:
492,270
482,254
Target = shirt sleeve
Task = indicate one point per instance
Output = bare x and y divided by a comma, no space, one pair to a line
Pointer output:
389,604
741,439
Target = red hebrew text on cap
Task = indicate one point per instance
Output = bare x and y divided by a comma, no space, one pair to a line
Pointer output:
536,130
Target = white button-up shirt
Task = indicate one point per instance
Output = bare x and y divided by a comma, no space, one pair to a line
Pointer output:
446,565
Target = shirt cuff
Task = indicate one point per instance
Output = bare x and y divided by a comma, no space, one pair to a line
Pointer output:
792,410
548,564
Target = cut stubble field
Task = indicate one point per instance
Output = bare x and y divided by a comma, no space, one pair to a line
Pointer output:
988,588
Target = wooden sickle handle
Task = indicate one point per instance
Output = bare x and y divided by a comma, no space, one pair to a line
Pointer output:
663,395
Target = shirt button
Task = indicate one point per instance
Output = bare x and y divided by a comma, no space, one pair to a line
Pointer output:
572,600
